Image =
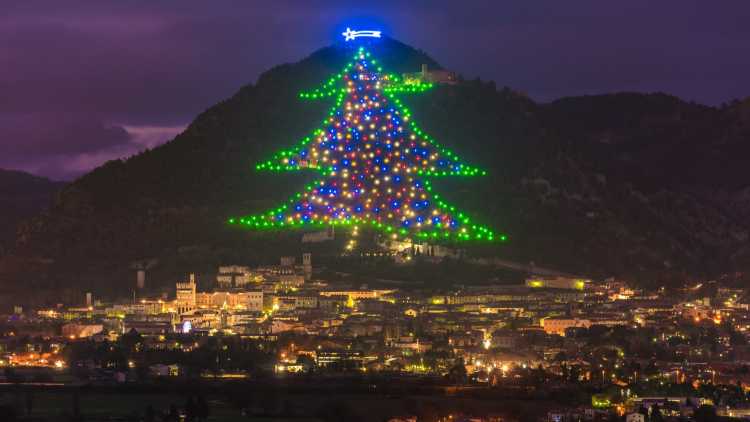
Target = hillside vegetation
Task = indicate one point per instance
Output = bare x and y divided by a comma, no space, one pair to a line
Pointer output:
642,186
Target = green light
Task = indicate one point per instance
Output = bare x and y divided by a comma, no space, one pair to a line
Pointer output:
300,157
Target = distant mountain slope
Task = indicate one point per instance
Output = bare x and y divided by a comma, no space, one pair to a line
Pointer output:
22,196
634,185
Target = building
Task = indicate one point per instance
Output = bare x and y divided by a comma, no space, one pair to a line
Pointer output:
332,303
328,357
234,276
404,249
294,302
148,326
466,339
287,261
558,325
430,76
307,265
246,300
357,294
567,283
143,307
290,281
319,236
506,339
245,318
185,300
251,300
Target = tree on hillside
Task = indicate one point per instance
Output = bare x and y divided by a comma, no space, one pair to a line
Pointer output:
375,164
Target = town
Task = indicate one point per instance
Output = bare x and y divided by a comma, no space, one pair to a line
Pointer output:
610,348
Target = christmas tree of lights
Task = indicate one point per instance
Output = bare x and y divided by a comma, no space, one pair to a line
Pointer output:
375,165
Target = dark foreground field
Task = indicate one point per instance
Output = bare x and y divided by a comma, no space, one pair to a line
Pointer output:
259,402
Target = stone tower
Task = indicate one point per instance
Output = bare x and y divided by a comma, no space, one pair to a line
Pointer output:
307,265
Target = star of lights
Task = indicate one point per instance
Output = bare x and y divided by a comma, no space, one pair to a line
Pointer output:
375,164
350,35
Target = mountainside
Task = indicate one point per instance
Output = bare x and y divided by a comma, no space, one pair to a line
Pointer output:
633,185
22,196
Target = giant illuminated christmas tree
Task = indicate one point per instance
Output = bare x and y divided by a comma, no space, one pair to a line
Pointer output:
375,164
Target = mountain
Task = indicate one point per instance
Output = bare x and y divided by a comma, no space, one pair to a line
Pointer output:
641,186
22,196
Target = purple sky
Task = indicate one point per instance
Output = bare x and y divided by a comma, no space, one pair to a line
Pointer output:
86,81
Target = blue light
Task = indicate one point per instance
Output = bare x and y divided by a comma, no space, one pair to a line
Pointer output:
350,35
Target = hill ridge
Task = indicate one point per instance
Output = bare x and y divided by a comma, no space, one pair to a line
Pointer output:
615,184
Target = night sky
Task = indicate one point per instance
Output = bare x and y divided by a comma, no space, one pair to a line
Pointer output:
82,82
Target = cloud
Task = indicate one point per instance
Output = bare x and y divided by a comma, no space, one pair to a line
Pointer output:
32,134
151,136
64,146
